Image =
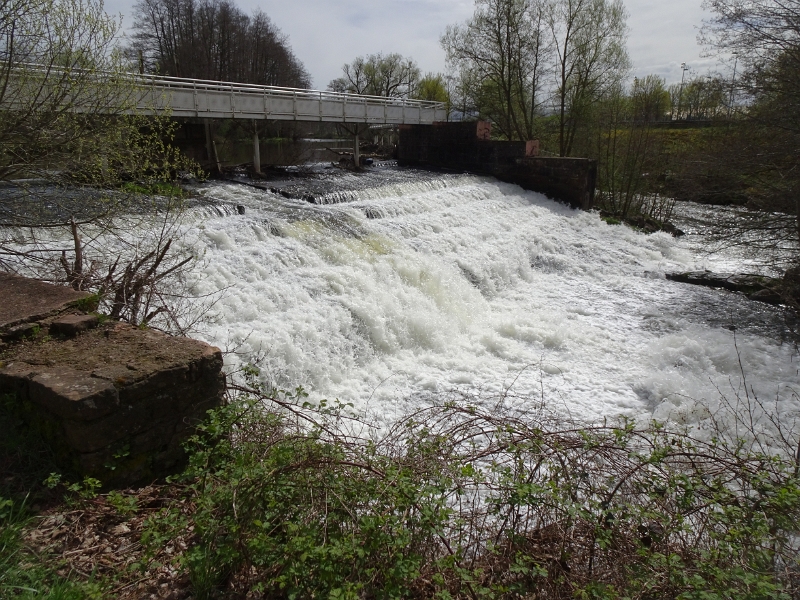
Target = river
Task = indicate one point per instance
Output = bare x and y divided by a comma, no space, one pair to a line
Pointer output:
413,288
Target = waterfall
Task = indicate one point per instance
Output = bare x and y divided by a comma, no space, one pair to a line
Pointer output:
393,295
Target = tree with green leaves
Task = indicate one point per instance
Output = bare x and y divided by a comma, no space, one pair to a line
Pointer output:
589,37
58,71
75,158
526,58
433,87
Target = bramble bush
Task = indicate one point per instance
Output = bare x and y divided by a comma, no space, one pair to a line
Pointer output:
455,501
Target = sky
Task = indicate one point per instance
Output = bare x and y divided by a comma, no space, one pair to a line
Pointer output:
326,34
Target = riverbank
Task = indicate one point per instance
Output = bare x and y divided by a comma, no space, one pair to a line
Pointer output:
453,500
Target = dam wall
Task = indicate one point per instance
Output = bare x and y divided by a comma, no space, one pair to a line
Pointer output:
467,146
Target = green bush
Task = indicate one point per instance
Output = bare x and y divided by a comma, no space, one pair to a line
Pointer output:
453,502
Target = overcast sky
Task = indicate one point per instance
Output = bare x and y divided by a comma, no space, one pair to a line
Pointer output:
325,34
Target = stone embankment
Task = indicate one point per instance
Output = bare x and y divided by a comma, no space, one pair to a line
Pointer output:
114,402
468,146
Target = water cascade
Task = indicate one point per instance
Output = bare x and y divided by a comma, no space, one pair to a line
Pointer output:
449,284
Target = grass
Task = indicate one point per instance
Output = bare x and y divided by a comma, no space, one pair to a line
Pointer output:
159,188
25,574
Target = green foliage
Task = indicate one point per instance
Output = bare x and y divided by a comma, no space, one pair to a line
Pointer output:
87,304
167,189
433,87
124,504
296,509
389,75
454,502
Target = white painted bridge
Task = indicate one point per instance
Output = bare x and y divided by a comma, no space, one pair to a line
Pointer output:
227,100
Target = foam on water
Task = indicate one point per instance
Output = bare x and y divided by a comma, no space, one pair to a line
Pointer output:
470,284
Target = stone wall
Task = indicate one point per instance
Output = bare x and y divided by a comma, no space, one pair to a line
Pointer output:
467,146
114,402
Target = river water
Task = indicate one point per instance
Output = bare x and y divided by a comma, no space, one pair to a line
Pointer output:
412,288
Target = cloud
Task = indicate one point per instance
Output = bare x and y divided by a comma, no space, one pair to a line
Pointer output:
325,34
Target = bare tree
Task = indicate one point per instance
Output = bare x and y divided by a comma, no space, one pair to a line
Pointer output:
213,39
390,75
504,50
758,156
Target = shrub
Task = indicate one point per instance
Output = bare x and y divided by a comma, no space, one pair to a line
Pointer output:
454,502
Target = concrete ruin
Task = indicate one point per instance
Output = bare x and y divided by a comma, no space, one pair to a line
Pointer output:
114,402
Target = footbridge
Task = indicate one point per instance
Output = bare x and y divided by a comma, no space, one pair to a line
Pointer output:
227,100
205,99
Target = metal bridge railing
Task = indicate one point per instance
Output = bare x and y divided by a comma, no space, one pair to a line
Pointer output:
217,99
183,97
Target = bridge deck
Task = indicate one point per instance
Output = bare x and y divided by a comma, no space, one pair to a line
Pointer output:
222,100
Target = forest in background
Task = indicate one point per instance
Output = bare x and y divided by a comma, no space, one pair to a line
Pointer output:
215,40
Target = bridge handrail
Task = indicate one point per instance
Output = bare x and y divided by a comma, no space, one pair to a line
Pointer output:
233,87
227,86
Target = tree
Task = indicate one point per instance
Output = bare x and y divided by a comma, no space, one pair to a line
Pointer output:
392,76
504,51
628,149
761,157
213,39
651,101
433,87
67,119
589,38
57,68
524,57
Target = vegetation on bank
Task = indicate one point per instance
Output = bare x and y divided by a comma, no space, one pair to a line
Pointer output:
281,499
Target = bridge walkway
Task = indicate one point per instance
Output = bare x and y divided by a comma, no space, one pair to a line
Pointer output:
228,100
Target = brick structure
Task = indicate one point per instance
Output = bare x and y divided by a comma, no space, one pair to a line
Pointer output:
467,146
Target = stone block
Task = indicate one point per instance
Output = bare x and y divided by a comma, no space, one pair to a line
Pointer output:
115,402
72,325
71,394
24,300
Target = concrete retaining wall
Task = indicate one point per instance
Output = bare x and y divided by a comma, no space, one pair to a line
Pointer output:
467,146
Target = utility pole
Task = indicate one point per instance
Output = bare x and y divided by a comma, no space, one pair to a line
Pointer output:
684,68
733,84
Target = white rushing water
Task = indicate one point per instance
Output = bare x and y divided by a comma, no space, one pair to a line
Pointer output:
462,283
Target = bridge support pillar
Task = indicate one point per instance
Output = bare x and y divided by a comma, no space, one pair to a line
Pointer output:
256,150
356,151
209,149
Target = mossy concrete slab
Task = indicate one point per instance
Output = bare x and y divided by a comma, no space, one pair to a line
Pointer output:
23,300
